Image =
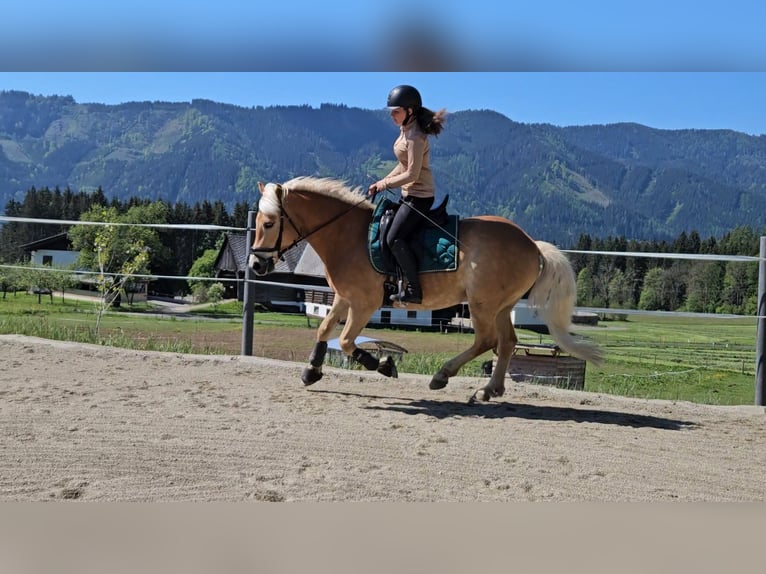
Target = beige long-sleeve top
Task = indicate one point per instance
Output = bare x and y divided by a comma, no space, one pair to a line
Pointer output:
412,173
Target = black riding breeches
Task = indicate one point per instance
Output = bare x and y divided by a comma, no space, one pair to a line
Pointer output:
408,218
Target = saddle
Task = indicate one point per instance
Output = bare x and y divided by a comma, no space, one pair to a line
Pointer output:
434,244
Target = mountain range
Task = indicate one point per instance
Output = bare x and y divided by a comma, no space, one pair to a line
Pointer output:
617,180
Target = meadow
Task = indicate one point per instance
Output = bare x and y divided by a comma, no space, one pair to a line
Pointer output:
702,360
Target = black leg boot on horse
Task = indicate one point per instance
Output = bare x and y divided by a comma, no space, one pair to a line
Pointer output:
411,293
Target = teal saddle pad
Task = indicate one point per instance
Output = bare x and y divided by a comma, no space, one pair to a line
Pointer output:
434,246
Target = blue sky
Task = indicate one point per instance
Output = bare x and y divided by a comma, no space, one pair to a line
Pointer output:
665,100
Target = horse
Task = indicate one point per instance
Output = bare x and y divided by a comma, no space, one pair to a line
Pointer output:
498,263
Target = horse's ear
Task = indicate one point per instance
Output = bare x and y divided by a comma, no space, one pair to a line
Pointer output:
261,186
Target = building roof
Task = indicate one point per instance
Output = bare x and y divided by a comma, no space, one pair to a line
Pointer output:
235,251
290,259
310,264
233,254
60,242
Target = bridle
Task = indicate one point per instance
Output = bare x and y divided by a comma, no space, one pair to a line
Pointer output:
277,248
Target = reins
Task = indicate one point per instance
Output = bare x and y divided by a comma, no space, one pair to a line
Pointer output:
431,221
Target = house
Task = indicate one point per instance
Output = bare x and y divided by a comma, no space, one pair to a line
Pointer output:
231,263
281,290
525,317
54,251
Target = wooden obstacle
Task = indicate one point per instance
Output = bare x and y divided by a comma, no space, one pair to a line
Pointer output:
544,365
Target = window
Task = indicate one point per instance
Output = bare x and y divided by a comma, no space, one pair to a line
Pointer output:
48,260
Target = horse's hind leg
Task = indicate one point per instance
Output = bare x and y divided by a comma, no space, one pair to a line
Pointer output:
485,338
313,372
506,342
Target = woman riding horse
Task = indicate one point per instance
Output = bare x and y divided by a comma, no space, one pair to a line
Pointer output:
413,175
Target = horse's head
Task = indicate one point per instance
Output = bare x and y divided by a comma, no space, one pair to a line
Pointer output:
273,229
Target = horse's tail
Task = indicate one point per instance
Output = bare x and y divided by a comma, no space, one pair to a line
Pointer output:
553,297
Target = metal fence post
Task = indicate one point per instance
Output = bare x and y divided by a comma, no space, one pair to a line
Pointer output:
760,347
248,292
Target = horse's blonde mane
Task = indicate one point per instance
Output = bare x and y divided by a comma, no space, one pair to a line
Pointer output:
329,187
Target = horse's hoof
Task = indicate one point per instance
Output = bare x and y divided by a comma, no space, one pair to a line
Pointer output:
480,395
438,382
388,368
310,375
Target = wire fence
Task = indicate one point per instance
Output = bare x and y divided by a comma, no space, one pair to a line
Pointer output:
207,227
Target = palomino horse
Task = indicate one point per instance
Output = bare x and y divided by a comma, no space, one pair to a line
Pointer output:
497,264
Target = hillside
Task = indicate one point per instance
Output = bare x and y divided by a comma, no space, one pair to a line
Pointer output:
614,180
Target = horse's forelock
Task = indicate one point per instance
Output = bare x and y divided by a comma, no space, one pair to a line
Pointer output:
269,203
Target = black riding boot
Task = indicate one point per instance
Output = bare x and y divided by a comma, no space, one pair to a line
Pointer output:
406,259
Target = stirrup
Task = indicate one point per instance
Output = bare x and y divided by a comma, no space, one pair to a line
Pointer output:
406,296
400,294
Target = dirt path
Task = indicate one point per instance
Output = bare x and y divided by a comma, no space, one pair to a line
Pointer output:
97,423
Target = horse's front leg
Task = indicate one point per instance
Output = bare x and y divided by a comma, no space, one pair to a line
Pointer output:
313,372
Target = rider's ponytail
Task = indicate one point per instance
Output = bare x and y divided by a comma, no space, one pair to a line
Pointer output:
430,123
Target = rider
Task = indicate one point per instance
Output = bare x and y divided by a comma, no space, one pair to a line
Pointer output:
413,174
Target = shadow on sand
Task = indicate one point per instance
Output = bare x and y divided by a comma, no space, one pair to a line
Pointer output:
499,410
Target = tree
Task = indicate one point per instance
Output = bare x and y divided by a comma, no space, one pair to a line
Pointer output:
741,240
735,292
239,215
39,280
674,286
118,244
199,292
580,261
601,279
651,294
117,252
215,293
584,287
703,286
620,291
10,280
204,266
133,259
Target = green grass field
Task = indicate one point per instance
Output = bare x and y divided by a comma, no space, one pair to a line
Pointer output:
704,360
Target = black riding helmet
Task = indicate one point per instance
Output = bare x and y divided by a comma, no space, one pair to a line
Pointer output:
404,97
